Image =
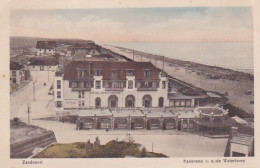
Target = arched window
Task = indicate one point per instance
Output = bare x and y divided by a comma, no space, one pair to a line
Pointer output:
147,101
98,102
161,102
112,101
130,101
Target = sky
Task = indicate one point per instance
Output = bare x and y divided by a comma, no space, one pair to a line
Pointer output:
137,24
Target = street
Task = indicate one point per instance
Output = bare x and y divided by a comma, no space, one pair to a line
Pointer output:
42,106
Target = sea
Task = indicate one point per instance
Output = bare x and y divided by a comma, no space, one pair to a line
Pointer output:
232,55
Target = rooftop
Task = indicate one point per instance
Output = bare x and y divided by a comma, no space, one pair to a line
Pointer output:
15,66
71,70
126,113
46,44
158,113
242,139
43,61
93,112
215,111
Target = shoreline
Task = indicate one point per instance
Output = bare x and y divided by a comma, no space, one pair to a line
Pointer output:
206,77
160,58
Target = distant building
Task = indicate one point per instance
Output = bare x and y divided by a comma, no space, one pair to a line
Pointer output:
45,48
17,73
42,64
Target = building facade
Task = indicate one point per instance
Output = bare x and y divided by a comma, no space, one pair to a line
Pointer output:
17,73
45,48
111,85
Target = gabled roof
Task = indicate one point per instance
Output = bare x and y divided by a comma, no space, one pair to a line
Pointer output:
43,61
15,66
46,44
71,70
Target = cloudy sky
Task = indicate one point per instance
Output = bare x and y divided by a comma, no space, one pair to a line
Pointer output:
137,24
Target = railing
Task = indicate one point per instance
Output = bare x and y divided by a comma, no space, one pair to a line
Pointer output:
114,89
81,89
146,89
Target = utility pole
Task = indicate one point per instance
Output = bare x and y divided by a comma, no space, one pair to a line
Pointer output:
33,91
28,111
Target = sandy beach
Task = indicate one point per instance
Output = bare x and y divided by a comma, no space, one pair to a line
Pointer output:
209,78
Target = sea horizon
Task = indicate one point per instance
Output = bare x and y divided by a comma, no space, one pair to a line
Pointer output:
237,56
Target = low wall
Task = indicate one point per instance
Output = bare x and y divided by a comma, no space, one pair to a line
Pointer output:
24,148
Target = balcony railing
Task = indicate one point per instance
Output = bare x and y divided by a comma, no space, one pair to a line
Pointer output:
114,89
81,89
146,89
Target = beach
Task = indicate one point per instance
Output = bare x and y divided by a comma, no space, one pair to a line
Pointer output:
209,78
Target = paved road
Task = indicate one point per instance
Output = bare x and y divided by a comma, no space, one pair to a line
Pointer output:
41,106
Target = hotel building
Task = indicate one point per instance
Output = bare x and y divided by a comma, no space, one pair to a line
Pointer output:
100,84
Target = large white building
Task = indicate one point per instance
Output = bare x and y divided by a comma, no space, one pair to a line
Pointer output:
45,48
101,84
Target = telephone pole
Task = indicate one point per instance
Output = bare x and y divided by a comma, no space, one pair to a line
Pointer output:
33,91
28,111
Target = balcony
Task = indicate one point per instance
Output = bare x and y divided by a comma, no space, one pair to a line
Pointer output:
81,89
114,89
146,89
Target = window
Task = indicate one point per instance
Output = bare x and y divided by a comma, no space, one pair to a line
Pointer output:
81,73
129,73
163,84
98,85
73,84
58,84
97,72
98,102
79,103
14,73
161,102
81,94
83,103
147,73
58,94
59,104
130,84
114,73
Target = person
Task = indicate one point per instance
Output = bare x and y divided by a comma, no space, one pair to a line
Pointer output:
78,124
97,142
88,146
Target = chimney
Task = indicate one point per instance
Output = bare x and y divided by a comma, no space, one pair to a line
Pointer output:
90,68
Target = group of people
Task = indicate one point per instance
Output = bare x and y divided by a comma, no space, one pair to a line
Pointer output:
89,145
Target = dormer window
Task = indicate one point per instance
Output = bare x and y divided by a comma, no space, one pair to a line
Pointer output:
129,72
147,73
81,73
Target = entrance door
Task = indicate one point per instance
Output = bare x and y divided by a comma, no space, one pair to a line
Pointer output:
147,103
113,103
179,125
164,126
148,125
132,125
